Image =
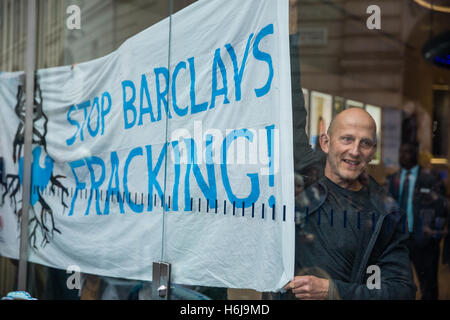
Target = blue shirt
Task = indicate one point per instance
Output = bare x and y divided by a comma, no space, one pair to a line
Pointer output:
412,181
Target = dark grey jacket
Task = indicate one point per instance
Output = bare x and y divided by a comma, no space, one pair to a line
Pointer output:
386,248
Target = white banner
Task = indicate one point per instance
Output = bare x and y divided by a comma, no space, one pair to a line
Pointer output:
135,162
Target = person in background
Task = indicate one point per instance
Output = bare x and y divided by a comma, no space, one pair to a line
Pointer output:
418,193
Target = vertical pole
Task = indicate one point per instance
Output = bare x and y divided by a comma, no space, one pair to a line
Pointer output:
31,45
167,132
161,269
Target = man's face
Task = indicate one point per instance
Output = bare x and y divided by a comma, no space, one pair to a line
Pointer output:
350,147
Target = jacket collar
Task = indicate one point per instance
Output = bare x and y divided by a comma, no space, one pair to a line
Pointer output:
317,194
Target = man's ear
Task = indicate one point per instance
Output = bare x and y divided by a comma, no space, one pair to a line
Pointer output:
324,140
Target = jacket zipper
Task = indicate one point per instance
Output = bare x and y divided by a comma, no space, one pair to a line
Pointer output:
373,239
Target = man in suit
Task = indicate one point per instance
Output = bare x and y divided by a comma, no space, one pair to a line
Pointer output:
415,189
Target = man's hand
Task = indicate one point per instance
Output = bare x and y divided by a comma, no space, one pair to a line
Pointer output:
309,288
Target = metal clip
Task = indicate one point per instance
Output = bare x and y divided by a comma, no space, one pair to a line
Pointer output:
162,291
161,281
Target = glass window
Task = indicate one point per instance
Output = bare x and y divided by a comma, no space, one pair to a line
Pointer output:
105,68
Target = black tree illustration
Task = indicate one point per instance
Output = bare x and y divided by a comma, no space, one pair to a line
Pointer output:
43,221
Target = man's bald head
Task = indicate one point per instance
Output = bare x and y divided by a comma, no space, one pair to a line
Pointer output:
350,144
355,116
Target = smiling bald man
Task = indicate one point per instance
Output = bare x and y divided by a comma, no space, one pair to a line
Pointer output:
351,241
350,234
